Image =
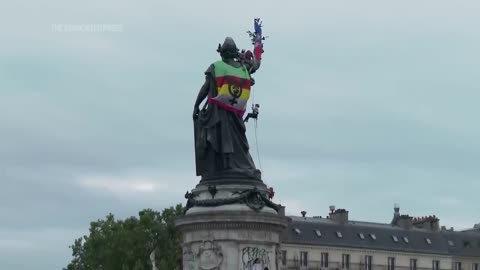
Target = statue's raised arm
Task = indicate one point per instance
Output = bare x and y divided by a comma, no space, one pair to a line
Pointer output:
253,60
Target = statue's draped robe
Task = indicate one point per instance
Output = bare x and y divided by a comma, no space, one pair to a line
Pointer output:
220,141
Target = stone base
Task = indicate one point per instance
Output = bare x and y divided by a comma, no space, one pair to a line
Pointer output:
242,177
229,197
231,238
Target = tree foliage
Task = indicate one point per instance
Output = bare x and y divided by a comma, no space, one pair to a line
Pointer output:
127,244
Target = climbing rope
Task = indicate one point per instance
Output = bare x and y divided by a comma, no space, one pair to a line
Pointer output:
257,148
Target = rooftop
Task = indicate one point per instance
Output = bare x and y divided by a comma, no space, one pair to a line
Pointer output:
320,231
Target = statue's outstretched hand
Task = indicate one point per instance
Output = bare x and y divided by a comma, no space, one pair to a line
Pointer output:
196,111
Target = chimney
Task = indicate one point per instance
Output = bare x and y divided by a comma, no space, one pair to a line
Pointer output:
435,224
339,216
405,222
396,214
281,211
431,223
396,208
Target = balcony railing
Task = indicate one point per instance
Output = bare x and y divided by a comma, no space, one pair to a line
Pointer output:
317,265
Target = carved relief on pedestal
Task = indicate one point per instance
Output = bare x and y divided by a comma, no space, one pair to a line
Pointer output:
278,257
188,259
209,256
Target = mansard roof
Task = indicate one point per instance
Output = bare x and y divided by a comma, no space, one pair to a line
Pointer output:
326,232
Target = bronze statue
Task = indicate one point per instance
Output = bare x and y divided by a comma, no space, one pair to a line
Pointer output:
221,146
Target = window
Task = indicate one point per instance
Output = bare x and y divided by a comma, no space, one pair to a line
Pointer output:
373,236
303,258
474,266
346,261
428,241
361,236
339,235
318,233
435,265
467,244
297,231
413,264
284,257
395,239
458,266
368,262
324,260
405,239
451,243
391,263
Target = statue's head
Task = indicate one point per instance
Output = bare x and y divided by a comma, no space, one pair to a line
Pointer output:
228,50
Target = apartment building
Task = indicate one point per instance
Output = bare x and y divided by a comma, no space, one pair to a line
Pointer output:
406,243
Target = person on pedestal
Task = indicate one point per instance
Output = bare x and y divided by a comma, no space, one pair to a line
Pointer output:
221,146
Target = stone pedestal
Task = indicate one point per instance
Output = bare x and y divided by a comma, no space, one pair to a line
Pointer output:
230,227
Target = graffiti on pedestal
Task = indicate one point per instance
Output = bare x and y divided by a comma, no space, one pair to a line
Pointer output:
255,258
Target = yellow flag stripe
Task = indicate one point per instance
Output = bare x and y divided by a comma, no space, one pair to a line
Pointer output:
224,91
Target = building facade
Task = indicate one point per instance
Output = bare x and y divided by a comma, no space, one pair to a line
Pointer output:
335,242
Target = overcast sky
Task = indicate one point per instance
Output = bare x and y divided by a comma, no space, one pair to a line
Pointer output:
363,104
